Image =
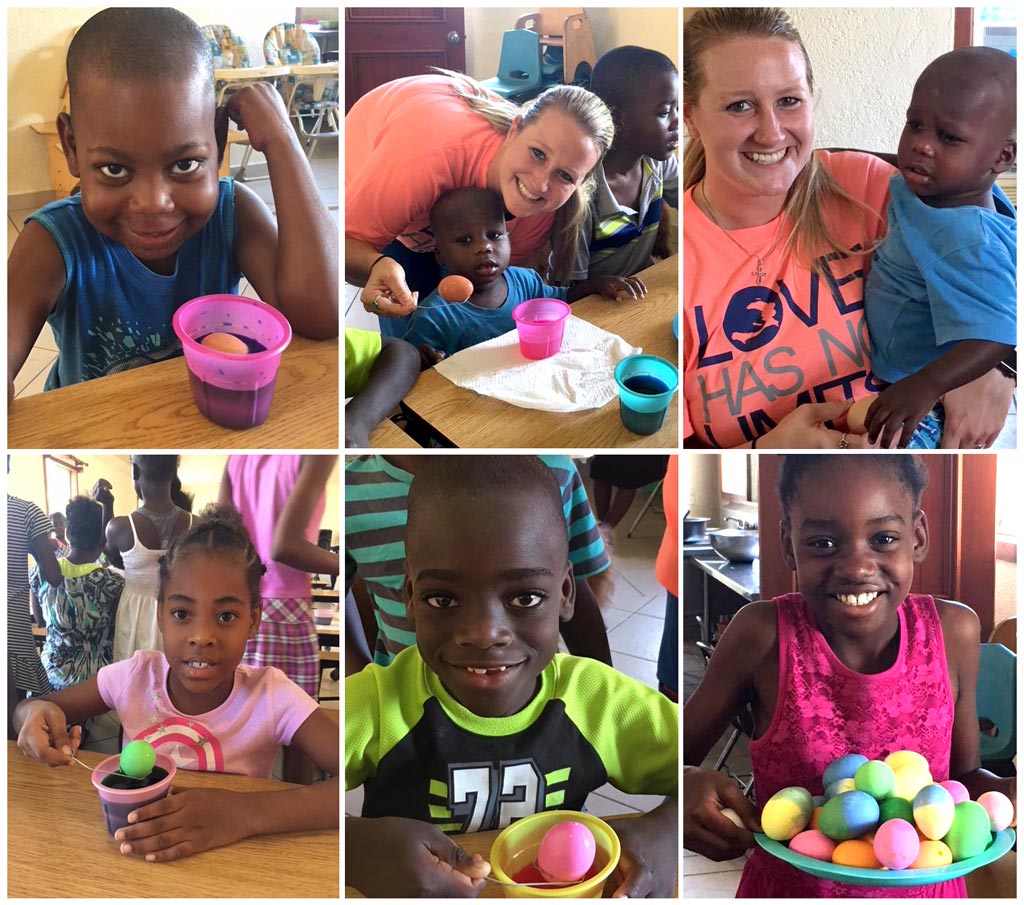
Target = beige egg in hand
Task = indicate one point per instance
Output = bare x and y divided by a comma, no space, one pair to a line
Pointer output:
857,415
225,342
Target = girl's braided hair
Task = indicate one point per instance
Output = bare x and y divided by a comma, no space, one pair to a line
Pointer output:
219,530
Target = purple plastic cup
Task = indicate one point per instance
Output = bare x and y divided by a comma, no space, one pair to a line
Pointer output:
119,803
540,324
232,390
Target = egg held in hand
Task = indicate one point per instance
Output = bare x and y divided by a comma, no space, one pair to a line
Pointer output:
856,417
224,342
455,288
566,852
137,759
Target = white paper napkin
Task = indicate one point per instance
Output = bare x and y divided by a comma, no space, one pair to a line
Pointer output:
579,377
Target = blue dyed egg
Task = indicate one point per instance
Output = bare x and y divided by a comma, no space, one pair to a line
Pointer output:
933,811
848,816
839,786
842,768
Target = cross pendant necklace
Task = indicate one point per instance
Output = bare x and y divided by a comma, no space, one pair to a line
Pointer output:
759,274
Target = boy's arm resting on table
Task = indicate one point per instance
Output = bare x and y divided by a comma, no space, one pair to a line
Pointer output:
728,683
962,631
899,408
36,276
400,857
391,377
41,723
649,863
292,262
195,820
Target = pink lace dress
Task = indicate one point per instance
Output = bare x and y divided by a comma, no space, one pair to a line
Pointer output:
825,710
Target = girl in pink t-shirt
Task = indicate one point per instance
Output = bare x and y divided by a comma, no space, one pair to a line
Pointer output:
853,663
197,704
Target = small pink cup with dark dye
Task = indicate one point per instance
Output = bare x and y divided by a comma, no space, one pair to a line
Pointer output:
119,803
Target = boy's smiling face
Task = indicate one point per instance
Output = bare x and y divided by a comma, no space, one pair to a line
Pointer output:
146,155
487,583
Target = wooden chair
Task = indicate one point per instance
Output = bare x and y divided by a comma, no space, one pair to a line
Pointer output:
565,36
1005,634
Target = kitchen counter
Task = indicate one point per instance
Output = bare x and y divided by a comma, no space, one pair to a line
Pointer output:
744,578
714,587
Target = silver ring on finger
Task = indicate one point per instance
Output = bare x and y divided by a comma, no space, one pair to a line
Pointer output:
843,442
375,304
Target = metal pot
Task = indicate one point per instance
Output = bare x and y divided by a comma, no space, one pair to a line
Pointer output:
694,529
735,544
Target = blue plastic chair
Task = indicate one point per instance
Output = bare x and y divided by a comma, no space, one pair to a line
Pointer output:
997,702
520,74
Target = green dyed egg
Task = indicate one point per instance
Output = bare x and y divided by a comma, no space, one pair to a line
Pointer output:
848,816
971,831
892,808
787,813
876,778
138,759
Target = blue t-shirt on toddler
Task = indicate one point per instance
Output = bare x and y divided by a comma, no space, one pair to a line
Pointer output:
451,328
942,275
114,312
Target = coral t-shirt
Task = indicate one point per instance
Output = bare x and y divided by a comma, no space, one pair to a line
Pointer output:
262,713
406,143
755,352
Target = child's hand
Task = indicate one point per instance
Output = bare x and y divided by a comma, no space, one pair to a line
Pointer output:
649,862
402,858
429,356
898,410
259,110
706,830
101,492
44,734
183,823
618,288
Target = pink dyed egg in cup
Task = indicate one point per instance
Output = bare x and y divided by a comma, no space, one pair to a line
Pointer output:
514,856
231,389
120,795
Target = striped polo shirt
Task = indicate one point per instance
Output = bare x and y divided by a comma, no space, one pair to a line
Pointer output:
375,514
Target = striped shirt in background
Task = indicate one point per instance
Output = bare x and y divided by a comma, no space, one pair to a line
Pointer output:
375,515
25,523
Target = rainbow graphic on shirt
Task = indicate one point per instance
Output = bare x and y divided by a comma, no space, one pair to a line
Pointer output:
188,743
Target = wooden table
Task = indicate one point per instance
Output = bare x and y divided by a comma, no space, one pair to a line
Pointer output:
388,435
480,843
467,419
152,408
57,845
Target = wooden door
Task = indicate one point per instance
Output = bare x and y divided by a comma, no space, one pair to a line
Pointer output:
386,44
960,504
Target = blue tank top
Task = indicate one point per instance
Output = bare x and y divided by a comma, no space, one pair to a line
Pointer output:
114,313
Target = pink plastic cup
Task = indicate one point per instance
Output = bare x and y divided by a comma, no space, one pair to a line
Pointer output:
119,803
232,390
540,324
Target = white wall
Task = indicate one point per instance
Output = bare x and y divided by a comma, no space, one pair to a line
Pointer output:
37,42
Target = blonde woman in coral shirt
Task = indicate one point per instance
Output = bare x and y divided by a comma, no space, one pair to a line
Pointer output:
409,141
777,245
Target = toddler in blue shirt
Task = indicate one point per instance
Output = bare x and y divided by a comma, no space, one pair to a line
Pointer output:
469,227
941,295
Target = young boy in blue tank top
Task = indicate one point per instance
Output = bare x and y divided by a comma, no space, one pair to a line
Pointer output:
941,297
154,226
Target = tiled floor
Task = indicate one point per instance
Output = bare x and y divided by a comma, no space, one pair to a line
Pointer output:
33,374
634,618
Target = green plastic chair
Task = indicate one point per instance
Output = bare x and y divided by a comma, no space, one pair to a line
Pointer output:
997,703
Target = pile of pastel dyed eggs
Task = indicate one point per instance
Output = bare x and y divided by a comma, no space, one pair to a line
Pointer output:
886,814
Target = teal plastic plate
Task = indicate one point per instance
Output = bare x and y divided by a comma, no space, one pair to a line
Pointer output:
863,876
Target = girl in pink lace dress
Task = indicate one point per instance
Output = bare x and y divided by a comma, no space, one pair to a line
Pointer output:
851,663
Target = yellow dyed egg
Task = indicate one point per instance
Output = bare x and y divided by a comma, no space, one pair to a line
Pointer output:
933,854
900,759
933,811
909,780
225,342
787,813
856,853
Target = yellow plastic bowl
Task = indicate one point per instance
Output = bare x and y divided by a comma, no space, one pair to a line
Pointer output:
517,845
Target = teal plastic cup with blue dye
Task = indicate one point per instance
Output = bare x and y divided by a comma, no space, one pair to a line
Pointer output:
646,386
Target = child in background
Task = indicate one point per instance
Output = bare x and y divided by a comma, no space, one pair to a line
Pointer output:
136,542
209,607
473,242
852,663
941,297
59,536
376,493
639,172
483,691
79,612
154,226
379,371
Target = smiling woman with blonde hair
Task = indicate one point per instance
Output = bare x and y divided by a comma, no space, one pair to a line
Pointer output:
777,245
